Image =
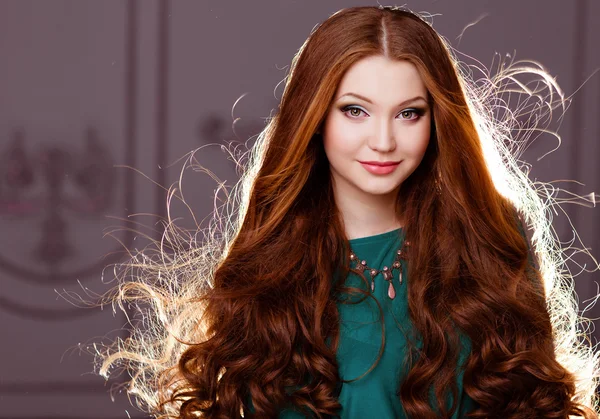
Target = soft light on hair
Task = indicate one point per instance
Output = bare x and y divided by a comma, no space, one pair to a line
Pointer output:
212,307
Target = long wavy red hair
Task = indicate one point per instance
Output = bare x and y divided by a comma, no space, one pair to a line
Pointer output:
253,315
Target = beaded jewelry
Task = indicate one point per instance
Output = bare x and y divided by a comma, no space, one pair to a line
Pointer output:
388,273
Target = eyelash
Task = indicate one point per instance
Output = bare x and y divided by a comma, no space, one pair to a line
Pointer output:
418,112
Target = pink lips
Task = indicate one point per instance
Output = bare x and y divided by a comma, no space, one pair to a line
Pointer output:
380,168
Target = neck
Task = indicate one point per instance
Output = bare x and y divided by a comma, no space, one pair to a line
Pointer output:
368,215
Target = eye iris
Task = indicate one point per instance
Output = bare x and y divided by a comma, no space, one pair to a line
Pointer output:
407,114
354,111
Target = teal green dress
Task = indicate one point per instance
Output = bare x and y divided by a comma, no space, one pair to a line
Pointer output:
374,395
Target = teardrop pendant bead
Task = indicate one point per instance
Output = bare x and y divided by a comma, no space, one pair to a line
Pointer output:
391,291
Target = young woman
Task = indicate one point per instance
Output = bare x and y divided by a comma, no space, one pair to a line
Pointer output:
370,263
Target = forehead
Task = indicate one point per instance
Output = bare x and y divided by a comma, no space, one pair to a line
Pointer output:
380,78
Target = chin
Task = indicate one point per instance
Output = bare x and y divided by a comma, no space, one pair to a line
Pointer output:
380,191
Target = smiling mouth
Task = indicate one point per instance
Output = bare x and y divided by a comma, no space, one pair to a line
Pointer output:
381,164
380,168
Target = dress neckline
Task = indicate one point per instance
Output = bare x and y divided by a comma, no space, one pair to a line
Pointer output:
381,237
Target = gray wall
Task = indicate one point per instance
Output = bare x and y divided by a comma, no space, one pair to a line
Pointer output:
85,85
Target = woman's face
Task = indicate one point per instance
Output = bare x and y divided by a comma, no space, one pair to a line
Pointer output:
379,115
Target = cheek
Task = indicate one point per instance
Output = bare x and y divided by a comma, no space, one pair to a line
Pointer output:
336,151
417,145
339,140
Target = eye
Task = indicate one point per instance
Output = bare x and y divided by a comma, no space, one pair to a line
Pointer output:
415,113
352,111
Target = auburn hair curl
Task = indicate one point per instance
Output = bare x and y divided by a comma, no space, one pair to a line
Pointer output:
250,312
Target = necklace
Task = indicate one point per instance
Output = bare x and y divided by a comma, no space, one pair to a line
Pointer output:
387,272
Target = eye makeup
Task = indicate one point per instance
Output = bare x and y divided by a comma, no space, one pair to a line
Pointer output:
416,111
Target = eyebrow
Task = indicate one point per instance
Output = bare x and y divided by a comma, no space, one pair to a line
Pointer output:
407,101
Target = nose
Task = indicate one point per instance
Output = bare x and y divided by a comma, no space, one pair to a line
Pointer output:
384,139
